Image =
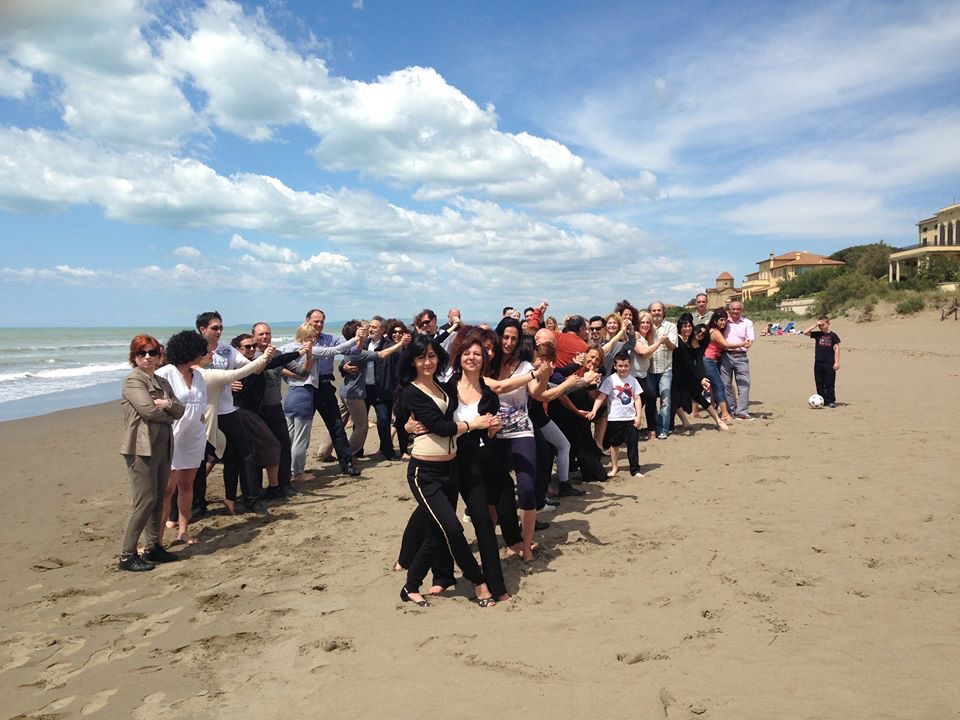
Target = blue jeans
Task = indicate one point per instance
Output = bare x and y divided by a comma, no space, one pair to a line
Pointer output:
712,371
662,382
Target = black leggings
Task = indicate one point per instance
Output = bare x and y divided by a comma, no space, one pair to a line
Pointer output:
238,460
649,398
434,486
520,454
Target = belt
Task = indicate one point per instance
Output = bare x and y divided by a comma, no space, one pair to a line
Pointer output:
326,378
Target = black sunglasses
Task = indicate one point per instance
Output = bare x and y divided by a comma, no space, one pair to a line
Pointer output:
148,353
214,327
248,347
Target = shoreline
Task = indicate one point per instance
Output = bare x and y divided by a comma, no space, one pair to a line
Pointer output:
804,566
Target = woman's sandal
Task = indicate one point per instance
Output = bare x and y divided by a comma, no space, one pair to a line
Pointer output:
485,602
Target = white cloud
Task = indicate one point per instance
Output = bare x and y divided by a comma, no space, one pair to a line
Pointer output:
15,82
112,88
264,251
186,252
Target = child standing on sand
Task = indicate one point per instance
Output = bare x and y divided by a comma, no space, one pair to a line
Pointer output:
826,359
621,392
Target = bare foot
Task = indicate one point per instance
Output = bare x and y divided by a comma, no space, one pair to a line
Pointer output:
517,550
727,419
438,589
723,426
688,426
170,524
397,567
187,538
230,505
613,473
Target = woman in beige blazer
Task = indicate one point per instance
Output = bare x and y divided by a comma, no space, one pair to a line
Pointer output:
149,411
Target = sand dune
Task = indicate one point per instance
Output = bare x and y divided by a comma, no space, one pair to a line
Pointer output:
804,566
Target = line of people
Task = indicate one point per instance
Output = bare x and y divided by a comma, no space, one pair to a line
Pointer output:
522,398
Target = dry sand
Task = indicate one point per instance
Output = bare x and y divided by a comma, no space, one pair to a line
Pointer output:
803,567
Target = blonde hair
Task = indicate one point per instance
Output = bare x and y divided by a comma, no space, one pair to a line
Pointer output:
616,316
644,315
305,332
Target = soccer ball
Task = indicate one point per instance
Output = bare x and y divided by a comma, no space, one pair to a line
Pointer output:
815,402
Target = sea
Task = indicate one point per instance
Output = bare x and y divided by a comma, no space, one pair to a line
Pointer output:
44,370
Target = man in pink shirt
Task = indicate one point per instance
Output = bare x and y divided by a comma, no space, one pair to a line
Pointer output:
734,364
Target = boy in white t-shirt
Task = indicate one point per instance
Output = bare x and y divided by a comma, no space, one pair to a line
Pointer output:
621,392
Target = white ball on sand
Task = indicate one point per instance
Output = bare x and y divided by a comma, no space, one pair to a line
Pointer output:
815,401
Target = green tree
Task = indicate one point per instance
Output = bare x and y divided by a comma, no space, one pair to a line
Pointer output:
938,269
874,261
808,283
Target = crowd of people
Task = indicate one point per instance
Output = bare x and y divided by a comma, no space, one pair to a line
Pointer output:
507,416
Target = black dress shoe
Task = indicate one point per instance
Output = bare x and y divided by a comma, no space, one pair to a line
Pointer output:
159,554
135,563
351,470
273,493
568,490
541,526
198,512
289,490
258,507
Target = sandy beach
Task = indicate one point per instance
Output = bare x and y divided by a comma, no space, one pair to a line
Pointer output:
804,566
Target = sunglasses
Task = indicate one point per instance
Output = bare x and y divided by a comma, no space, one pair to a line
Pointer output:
148,353
594,329
398,331
248,347
214,327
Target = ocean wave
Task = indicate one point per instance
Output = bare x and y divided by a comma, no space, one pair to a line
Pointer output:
62,373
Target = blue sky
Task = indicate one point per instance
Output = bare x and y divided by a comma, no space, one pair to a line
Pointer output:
157,159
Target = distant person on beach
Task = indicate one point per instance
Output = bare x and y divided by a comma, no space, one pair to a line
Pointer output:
299,405
248,399
735,365
271,407
321,379
363,366
184,352
150,408
661,366
826,359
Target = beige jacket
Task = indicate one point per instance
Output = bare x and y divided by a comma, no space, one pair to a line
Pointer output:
216,379
146,427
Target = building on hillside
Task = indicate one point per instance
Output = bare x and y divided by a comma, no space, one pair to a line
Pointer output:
937,235
724,292
777,269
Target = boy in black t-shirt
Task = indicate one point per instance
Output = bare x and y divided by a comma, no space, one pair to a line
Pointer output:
826,359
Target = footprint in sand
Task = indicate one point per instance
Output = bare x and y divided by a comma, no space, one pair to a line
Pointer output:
152,625
98,702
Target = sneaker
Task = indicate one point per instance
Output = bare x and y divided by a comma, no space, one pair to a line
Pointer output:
829,405
636,473
538,526
135,563
546,509
661,436
568,490
159,554
550,501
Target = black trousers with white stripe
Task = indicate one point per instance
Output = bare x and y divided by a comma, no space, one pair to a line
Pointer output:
435,486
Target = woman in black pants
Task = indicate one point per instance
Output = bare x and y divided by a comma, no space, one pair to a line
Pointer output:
432,472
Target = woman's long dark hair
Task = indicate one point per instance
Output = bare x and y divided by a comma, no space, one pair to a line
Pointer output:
720,314
407,370
520,353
